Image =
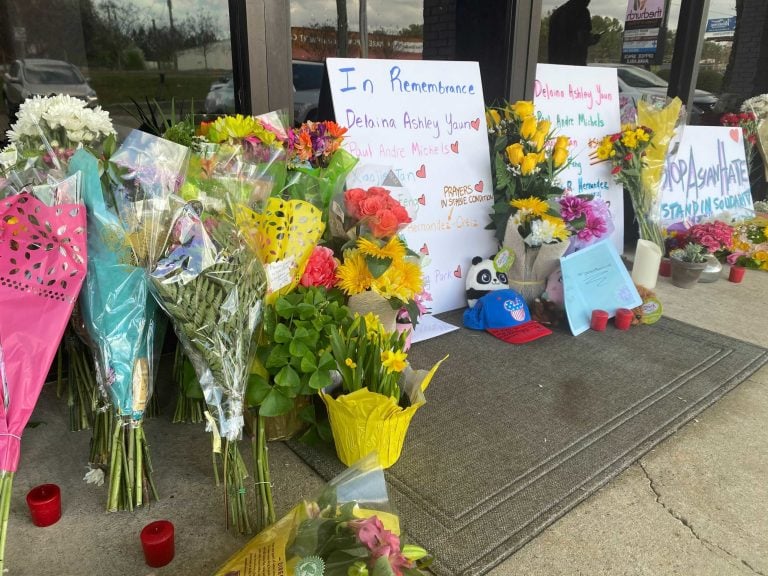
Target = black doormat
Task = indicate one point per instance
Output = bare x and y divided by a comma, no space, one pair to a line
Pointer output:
512,437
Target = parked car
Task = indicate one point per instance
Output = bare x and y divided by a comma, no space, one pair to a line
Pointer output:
636,82
35,76
307,78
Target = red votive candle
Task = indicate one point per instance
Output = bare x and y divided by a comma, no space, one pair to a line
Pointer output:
44,503
599,320
736,274
157,542
623,318
665,268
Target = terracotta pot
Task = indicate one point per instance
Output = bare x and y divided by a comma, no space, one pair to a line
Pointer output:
686,274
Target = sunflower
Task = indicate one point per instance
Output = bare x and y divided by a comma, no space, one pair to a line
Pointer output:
533,206
394,249
353,275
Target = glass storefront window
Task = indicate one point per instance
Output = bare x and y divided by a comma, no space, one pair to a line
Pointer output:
117,55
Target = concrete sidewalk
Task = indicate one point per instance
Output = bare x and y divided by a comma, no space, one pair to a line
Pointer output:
693,506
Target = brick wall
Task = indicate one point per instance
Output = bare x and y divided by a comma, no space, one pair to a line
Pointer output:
748,74
439,30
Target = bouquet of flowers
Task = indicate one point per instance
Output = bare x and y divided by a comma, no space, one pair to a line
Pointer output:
378,271
750,244
43,255
637,155
537,236
123,321
348,529
748,122
53,127
317,163
526,158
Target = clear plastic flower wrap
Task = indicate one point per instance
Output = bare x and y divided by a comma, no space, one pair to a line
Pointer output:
205,277
124,325
349,528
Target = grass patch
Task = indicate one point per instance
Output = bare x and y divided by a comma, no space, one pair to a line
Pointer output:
115,87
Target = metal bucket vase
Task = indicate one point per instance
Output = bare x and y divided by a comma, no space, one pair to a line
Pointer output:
686,274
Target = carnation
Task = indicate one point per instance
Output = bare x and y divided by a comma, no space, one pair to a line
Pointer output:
320,269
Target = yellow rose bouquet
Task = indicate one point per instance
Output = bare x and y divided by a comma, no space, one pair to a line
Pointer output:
526,158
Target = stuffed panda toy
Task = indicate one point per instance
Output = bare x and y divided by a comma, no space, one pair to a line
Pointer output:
482,278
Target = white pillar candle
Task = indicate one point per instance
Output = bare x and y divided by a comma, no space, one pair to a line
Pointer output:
645,270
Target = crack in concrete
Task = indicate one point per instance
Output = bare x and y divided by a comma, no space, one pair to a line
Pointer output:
688,525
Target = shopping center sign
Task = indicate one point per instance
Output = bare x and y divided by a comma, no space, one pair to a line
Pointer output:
642,31
418,128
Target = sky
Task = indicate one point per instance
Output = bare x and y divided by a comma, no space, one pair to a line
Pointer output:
387,14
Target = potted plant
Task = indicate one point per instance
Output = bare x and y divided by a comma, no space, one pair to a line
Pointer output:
687,264
378,394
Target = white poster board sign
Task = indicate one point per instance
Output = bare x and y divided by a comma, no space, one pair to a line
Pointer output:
423,123
706,177
583,103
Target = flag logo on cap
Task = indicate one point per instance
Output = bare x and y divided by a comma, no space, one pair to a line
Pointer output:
515,308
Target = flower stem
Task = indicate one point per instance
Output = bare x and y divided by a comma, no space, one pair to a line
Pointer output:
6,486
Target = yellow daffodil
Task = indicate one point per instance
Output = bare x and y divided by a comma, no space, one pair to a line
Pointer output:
353,275
559,156
394,249
515,154
522,109
349,362
529,164
528,128
394,360
534,206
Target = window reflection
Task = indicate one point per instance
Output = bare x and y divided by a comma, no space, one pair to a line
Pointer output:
119,54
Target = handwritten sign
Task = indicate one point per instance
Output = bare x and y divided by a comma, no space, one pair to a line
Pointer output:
707,177
422,124
583,104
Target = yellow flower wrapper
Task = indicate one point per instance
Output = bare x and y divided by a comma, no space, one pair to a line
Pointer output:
283,230
363,421
662,121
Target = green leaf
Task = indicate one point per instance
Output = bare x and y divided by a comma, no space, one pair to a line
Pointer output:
279,356
320,379
301,333
288,378
276,404
382,567
377,266
306,311
256,390
308,363
282,334
326,361
284,308
298,349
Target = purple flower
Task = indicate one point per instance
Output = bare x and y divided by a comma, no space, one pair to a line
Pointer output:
572,207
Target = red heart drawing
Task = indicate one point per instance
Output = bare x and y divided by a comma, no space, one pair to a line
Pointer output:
734,133
476,123
457,272
479,186
455,147
424,250
421,172
422,199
